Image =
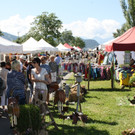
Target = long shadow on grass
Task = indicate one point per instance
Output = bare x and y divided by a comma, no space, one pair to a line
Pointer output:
77,130
110,90
55,110
96,80
86,96
101,122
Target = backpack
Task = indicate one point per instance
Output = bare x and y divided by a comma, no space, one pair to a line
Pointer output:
2,86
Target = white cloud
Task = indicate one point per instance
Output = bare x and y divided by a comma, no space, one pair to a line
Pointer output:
92,28
16,24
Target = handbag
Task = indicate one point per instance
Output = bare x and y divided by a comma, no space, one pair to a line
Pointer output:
13,107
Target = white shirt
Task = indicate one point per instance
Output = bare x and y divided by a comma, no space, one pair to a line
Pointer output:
3,73
21,66
40,76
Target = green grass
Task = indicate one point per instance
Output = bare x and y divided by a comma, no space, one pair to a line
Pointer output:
109,112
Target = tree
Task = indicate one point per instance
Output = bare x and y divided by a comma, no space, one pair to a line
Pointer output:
1,34
123,29
79,42
66,37
46,26
129,14
22,39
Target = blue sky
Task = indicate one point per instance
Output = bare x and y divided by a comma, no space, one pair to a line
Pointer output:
86,18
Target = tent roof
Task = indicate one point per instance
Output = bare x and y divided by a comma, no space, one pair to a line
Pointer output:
68,46
31,45
61,47
79,48
125,42
44,45
102,46
76,48
7,46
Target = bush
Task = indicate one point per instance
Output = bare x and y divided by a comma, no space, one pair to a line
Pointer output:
29,118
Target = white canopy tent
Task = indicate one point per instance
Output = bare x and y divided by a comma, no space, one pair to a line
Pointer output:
76,48
31,46
7,47
62,48
46,46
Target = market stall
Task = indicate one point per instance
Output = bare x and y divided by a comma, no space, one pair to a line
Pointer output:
125,42
68,46
7,47
46,46
31,46
62,48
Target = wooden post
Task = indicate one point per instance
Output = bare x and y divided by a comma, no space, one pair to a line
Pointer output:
89,77
112,74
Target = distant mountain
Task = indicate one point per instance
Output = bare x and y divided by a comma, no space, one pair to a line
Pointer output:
9,36
90,43
101,41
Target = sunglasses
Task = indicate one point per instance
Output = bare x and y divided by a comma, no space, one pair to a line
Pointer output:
34,62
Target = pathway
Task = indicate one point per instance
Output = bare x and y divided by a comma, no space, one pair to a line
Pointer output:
5,124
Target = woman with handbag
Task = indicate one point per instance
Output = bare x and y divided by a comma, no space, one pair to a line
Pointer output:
16,83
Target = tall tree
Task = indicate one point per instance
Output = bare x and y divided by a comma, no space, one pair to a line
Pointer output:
129,14
46,26
66,37
79,42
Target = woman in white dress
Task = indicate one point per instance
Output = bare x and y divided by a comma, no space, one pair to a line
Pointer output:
40,79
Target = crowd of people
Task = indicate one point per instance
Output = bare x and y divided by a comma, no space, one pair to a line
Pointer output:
37,73
19,74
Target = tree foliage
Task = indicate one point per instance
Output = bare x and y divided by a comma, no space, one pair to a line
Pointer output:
79,42
129,14
46,26
1,34
67,37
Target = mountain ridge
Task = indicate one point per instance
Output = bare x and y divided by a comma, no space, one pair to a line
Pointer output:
89,43
9,36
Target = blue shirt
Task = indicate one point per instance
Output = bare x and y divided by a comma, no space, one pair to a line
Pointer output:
58,60
15,83
47,67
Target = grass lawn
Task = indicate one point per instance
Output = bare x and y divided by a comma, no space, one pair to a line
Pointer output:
109,112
